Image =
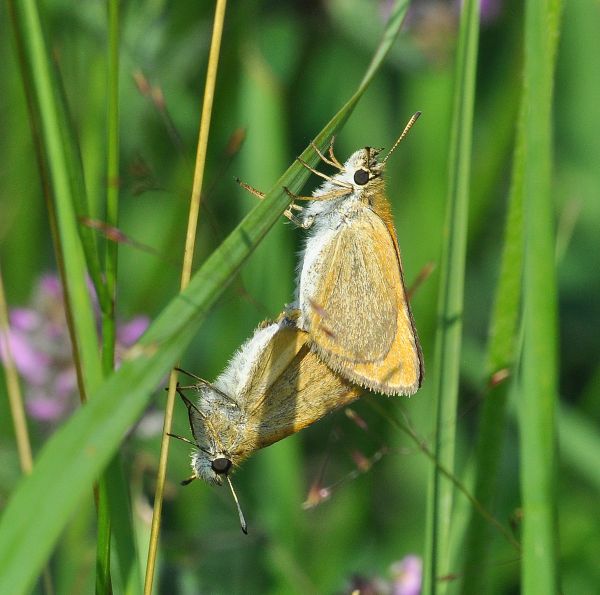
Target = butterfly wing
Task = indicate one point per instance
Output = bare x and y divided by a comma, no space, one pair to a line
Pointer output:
282,348
360,320
300,391
352,309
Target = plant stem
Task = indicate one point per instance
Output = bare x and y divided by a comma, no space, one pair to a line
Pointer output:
450,308
190,240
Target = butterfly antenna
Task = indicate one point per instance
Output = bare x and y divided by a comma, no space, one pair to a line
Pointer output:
408,126
203,382
190,406
243,523
181,438
192,375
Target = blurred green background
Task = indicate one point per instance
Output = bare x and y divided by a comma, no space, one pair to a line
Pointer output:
285,68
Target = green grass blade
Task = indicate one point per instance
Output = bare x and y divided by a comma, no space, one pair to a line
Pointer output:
539,366
448,337
122,527
75,174
501,357
66,182
76,454
62,154
49,113
46,100
103,577
115,507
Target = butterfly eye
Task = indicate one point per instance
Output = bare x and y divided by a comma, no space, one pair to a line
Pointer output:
361,177
221,465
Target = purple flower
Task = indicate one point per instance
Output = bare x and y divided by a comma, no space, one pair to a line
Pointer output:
406,580
129,332
407,576
41,347
489,10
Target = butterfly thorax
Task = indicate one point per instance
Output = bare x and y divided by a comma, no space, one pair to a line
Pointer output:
325,213
335,216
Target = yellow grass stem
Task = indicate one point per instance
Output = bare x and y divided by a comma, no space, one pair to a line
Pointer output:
186,272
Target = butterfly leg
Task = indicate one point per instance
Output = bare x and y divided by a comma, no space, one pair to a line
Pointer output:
260,195
304,223
332,156
325,196
324,176
325,159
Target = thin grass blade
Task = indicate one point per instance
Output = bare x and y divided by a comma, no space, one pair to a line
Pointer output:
501,359
539,365
450,306
60,147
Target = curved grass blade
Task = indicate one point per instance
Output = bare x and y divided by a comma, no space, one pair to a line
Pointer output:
76,454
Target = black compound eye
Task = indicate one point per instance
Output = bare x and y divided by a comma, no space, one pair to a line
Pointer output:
221,465
361,176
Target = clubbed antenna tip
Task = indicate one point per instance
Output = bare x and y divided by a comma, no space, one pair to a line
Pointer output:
408,126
